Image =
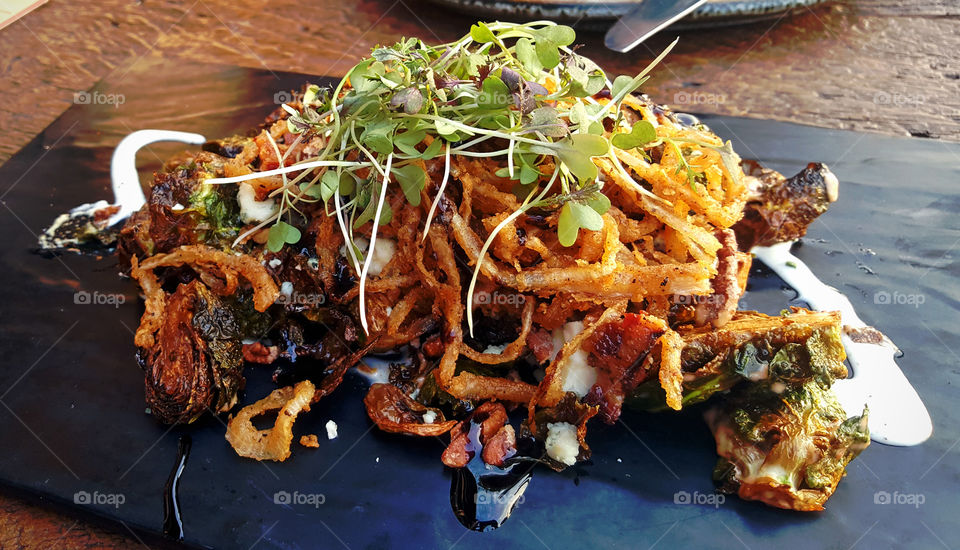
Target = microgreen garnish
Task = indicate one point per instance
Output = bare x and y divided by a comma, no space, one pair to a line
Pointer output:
520,84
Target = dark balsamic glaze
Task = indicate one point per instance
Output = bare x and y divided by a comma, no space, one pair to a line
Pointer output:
484,496
172,522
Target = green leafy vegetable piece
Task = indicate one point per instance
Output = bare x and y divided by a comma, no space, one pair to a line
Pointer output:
378,136
370,208
577,152
311,96
329,184
365,76
408,141
599,202
560,35
411,99
547,121
433,150
623,85
528,174
495,95
384,55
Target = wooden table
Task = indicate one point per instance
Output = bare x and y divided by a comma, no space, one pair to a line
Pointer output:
870,65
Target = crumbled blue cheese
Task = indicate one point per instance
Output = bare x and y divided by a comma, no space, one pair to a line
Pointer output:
252,210
331,429
495,350
286,290
562,443
382,253
429,417
275,263
579,376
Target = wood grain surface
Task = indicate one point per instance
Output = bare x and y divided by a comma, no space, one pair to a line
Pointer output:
869,65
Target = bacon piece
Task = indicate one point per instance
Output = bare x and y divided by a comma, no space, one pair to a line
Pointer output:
433,347
394,411
268,156
459,452
617,350
309,440
540,342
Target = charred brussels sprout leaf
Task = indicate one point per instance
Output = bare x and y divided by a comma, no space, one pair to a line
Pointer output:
218,214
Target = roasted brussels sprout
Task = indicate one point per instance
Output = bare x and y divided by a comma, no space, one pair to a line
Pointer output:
780,209
197,361
785,445
798,345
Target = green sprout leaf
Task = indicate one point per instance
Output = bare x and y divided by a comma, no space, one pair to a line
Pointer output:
496,94
311,97
384,55
370,208
525,173
408,141
378,136
577,153
547,121
560,35
527,55
329,183
573,217
641,134
365,76
548,53
411,179
529,174
599,202
447,130
280,234
411,99
481,33
433,150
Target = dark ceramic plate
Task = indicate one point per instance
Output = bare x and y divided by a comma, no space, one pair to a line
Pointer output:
73,431
596,14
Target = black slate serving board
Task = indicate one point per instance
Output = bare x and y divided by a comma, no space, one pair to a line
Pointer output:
71,402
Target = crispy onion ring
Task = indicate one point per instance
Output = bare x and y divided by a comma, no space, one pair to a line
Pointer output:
514,349
274,443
